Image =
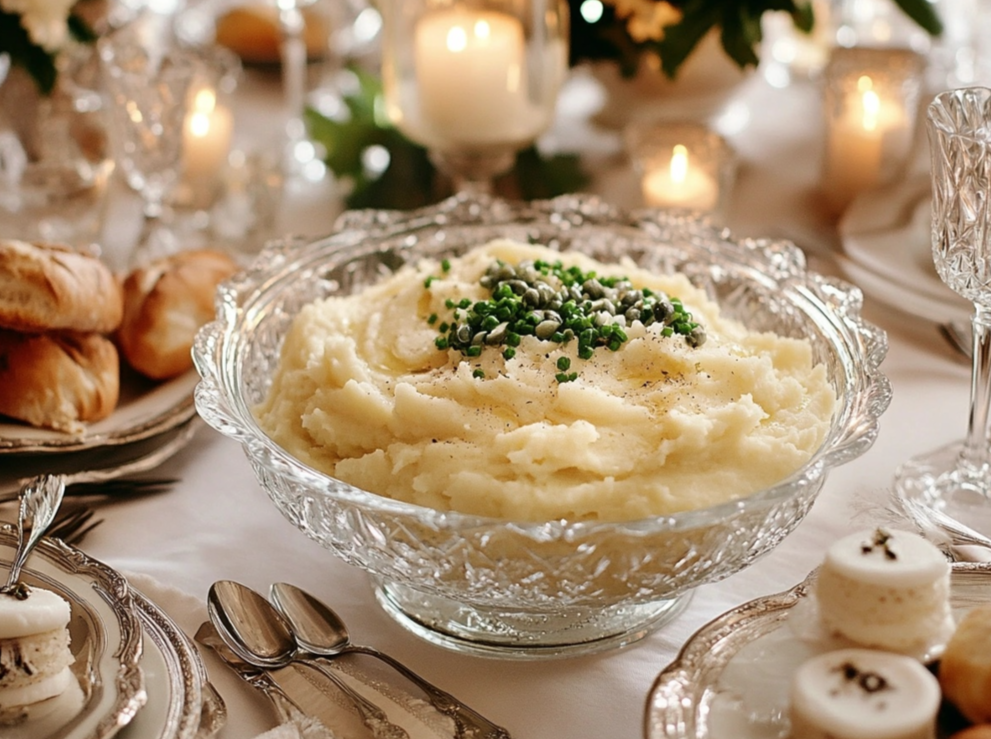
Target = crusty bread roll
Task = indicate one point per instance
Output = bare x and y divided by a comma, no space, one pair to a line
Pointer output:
164,304
978,731
58,380
45,287
965,667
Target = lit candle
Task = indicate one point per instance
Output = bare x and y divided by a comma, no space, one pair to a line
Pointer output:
680,184
471,76
206,141
857,139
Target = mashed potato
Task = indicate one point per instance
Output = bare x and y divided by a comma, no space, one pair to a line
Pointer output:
363,393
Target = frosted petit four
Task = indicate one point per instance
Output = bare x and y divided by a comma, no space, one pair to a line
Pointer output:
34,646
887,589
863,694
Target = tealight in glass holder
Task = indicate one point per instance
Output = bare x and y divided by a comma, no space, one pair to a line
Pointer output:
473,82
681,165
871,104
208,128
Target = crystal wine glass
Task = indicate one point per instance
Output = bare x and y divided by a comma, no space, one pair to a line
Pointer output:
956,479
473,82
147,88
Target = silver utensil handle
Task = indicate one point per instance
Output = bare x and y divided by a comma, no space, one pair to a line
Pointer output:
470,723
40,498
372,716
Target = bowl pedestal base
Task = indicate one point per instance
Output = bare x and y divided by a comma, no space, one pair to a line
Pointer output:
519,634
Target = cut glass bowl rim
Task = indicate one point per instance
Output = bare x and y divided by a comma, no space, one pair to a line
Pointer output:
237,296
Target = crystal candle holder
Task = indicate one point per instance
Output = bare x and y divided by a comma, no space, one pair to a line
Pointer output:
871,103
473,82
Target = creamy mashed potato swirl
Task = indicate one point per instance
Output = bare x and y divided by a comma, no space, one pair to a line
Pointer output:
363,393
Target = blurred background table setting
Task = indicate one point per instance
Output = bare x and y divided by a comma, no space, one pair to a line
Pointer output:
178,178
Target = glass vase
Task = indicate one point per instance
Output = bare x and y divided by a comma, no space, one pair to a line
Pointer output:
55,163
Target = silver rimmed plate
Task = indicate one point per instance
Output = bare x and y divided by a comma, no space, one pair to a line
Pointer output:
106,640
732,677
180,703
97,465
145,409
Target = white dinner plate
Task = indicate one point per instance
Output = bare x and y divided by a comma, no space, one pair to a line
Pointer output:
106,640
145,409
887,249
731,679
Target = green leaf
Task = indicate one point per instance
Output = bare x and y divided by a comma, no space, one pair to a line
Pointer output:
741,34
410,180
924,13
681,38
24,53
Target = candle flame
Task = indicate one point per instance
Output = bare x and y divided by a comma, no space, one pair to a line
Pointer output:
199,124
205,101
457,39
679,164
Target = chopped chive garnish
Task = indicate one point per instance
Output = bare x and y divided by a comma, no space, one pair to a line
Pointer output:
557,304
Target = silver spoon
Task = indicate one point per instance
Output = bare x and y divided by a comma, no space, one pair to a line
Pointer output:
40,498
319,630
257,633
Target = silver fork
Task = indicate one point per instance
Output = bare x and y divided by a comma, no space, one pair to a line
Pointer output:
959,540
110,480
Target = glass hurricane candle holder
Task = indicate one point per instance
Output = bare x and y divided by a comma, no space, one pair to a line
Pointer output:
473,82
956,479
871,99
681,165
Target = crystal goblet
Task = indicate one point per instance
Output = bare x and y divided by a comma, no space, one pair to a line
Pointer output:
147,88
473,82
956,479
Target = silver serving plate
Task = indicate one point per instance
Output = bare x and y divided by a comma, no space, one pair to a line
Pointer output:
145,409
181,704
731,679
106,640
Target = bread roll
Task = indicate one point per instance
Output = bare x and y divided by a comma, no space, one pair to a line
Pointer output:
164,304
58,380
45,287
252,32
980,731
965,667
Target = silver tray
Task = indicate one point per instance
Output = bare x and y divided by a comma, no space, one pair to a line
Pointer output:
145,409
106,639
731,679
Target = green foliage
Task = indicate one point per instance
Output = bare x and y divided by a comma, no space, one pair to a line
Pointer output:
23,52
410,180
738,22
15,42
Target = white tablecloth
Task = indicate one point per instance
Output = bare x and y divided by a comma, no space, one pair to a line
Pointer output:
218,523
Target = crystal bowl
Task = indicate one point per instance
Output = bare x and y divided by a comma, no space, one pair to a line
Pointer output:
529,590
